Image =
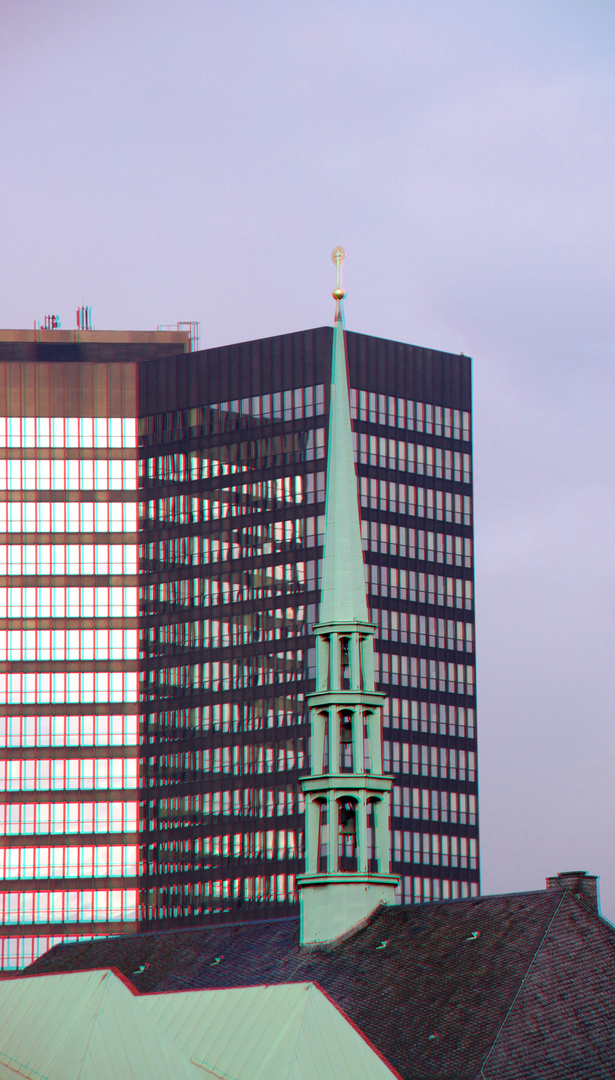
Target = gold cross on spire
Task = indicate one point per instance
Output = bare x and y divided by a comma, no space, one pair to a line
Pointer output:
337,256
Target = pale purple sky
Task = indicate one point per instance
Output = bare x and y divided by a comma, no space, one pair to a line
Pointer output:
199,160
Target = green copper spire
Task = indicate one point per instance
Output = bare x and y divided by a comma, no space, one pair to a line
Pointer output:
343,578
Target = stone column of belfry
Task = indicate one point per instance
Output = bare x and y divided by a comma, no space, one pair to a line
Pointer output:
347,820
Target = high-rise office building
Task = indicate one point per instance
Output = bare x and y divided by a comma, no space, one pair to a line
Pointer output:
223,541
69,633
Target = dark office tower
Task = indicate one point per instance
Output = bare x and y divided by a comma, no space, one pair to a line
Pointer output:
233,460
69,649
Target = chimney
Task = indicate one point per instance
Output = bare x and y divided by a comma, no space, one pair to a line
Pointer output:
581,884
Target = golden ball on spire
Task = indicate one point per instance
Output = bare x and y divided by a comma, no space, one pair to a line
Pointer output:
339,294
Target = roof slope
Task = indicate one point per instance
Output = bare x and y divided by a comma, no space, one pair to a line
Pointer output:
278,1032
64,1027
434,999
563,1020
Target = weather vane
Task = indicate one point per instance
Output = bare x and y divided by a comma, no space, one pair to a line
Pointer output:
337,256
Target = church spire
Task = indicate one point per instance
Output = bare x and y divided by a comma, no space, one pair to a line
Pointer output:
347,799
343,580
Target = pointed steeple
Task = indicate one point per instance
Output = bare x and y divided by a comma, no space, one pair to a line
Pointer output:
343,581
347,799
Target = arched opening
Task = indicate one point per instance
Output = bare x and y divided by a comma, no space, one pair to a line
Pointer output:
373,808
345,667
347,844
367,754
325,744
324,674
322,858
346,750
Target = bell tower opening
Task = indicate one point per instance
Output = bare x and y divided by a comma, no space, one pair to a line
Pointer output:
346,743
347,847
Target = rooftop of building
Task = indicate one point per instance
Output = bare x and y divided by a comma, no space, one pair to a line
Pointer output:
525,981
92,337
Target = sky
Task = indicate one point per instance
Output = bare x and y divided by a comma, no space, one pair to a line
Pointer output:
199,160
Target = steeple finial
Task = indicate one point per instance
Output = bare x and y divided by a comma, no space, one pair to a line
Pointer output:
337,256
343,576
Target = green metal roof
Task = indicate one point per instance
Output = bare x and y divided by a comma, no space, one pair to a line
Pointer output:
92,1026
83,1025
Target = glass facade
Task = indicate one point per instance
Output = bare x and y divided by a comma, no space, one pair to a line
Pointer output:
233,485
159,577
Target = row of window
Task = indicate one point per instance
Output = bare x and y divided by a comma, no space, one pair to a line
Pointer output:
68,774
214,675
89,905
231,459
261,803
411,415
68,559
247,629
300,532
28,645
18,952
70,602
412,457
416,543
72,474
252,715
68,431
66,517
423,890
424,674
251,802
250,759
424,588
421,630
235,458
432,804
206,897
232,588
269,844
435,850
429,716
58,818
69,862
273,537
233,502
114,730
59,687
304,402
407,499
448,763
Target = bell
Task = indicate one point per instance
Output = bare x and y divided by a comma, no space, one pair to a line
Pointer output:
349,827
346,734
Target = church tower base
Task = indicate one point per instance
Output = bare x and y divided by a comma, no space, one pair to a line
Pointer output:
332,904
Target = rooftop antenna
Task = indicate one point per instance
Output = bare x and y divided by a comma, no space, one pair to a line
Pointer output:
84,318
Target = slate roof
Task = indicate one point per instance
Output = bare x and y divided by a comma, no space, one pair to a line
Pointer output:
508,987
